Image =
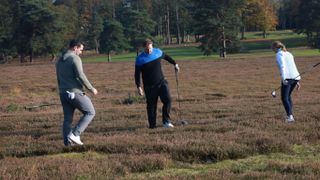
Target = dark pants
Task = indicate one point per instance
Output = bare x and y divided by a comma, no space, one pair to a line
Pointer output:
286,91
152,94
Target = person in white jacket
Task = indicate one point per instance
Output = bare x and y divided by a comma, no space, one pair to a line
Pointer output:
290,76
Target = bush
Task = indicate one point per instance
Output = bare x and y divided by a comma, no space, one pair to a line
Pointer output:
13,108
133,99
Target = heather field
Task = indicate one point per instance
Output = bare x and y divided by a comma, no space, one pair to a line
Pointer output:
236,129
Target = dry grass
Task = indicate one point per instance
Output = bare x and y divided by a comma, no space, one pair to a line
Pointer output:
227,103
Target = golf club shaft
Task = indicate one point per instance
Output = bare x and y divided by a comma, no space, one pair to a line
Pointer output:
40,105
177,82
301,74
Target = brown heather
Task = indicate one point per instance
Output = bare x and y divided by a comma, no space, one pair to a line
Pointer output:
227,103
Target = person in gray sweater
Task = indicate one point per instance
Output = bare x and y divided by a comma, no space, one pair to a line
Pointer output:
71,80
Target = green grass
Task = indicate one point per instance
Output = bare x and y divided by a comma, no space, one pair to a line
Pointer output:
178,53
253,46
304,157
284,34
255,41
115,58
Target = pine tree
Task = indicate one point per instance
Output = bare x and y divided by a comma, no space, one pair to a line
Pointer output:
218,23
112,38
308,21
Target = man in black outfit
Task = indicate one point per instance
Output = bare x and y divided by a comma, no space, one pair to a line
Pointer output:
148,63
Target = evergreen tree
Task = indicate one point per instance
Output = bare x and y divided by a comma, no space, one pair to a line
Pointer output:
36,30
6,28
112,38
218,22
137,26
95,29
308,21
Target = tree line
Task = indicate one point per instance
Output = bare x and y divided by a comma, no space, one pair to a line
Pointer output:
31,28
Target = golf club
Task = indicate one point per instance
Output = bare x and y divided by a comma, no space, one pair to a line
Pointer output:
274,94
40,105
184,122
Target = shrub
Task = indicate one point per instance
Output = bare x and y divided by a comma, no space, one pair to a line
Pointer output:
13,108
133,99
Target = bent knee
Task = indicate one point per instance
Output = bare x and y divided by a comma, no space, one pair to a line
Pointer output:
92,112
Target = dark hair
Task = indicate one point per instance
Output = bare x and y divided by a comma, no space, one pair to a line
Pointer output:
74,43
146,42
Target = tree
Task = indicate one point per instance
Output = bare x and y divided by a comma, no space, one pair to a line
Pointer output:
260,14
217,22
36,28
163,14
112,38
268,18
6,26
137,26
95,29
308,21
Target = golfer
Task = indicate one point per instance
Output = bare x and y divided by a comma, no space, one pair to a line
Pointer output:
148,63
71,80
289,76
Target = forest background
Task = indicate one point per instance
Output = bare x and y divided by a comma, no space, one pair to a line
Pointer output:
33,28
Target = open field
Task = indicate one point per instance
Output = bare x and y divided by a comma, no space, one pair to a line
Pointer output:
236,128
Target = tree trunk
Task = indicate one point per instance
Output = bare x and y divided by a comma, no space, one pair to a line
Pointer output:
223,52
53,57
168,25
21,58
243,29
113,10
96,41
160,27
183,35
31,56
264,34
109,56
178,27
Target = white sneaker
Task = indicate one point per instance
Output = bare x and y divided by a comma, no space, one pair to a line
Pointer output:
75,139
290,119
168,125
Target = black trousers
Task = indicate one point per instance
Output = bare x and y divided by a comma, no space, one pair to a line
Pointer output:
152,94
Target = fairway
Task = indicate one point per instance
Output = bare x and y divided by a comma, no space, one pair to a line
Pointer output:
232,116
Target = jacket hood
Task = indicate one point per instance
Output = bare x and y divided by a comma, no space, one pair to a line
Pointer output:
67,54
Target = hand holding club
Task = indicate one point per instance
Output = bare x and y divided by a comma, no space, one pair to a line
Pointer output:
298,86
285,82
94,91
140,91
177,68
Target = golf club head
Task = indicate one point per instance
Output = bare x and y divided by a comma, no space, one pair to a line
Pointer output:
274,94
